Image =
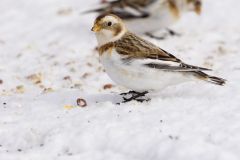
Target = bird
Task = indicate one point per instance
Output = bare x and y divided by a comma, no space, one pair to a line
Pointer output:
148,16
138,64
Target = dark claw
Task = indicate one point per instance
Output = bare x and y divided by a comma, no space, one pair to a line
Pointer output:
143,100
135,96
130,92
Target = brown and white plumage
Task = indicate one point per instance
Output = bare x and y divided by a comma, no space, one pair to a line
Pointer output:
138,64
149,15
126,9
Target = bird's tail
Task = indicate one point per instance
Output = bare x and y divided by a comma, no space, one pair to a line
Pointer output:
94,10
211,79
106,7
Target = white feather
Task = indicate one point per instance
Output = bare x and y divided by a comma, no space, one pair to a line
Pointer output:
138,77
160,16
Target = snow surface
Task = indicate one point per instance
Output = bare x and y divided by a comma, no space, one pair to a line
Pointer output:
48,61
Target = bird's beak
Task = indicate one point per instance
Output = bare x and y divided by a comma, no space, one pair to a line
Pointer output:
96,28
198,8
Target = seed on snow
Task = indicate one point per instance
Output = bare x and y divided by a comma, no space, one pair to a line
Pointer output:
81,102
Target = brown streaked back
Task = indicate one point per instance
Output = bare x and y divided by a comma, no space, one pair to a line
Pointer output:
136,47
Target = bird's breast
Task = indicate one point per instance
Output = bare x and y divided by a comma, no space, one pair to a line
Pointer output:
106,49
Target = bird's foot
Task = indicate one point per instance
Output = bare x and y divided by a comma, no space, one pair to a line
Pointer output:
135,96
130,92
172,32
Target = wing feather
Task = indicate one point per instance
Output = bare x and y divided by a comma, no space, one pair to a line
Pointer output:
133,48
125,9
180,68
136,47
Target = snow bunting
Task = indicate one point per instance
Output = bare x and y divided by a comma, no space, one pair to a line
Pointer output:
148,16
139,65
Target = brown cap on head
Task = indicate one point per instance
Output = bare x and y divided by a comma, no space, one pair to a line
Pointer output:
102,16
108,22
96,27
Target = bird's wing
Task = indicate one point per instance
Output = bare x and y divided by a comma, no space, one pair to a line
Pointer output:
140,3
134,48
125,9
180,67
127,15
137,3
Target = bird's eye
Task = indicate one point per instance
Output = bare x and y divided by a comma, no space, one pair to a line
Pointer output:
109,24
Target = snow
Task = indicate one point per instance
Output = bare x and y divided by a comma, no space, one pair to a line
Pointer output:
48,61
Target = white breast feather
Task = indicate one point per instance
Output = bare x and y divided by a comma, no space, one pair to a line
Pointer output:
138,77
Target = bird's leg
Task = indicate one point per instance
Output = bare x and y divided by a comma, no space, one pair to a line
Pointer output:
136,96
172,32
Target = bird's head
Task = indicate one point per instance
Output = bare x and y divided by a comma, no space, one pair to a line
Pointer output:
108,28
195,5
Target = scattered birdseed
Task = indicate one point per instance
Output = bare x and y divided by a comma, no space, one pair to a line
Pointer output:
35,78
20,89
81,102
67,78
107,86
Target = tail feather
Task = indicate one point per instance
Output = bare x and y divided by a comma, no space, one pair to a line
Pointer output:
94,10
211,79
217,80
106,8
184,65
